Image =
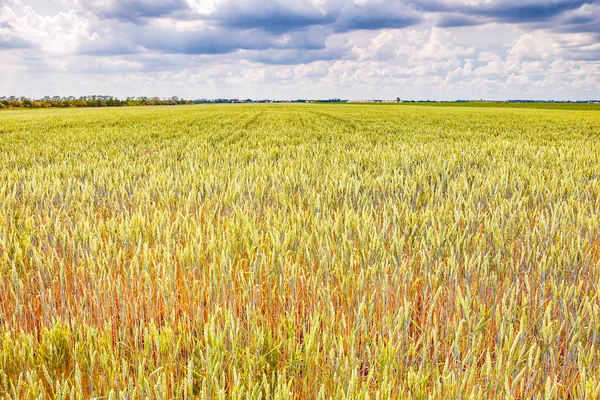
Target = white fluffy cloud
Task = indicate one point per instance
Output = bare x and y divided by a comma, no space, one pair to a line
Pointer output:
57,34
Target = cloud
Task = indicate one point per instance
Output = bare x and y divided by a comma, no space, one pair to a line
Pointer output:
431,48
293,57
7,41
274,16
493,64
376,15
453,20
107,46
547,45
9,35
525,11
458,13
506,10
207,41
58,34
584,19
136,11
211,40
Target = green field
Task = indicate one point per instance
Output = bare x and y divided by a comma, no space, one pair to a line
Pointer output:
300,251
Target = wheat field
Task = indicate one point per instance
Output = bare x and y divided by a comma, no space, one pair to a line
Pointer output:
300,252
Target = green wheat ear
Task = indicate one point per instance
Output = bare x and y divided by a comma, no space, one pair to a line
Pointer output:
54,351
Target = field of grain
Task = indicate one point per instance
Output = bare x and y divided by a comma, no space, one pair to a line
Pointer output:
300,251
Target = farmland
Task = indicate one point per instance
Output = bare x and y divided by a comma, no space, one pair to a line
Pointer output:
300,251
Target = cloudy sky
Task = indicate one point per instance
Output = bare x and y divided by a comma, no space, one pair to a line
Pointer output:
429,49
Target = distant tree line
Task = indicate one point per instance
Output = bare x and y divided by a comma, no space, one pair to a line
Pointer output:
87,101
110,101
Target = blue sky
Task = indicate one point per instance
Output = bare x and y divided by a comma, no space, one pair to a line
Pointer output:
354,49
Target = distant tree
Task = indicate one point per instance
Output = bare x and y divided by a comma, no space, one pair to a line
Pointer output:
89,101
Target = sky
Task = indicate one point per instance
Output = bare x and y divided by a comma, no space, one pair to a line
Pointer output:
290,49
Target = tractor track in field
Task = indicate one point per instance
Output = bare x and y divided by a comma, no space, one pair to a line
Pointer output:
252,121
336,119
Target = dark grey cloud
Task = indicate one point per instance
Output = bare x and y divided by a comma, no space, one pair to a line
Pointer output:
127,38
208,41
579,20
369,17
312,38
278,16
458,20
281,17
218,41
510,11
584,20
273,17
294,57
136,11
520,13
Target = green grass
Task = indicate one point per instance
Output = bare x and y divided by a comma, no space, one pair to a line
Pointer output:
300,251
539,106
